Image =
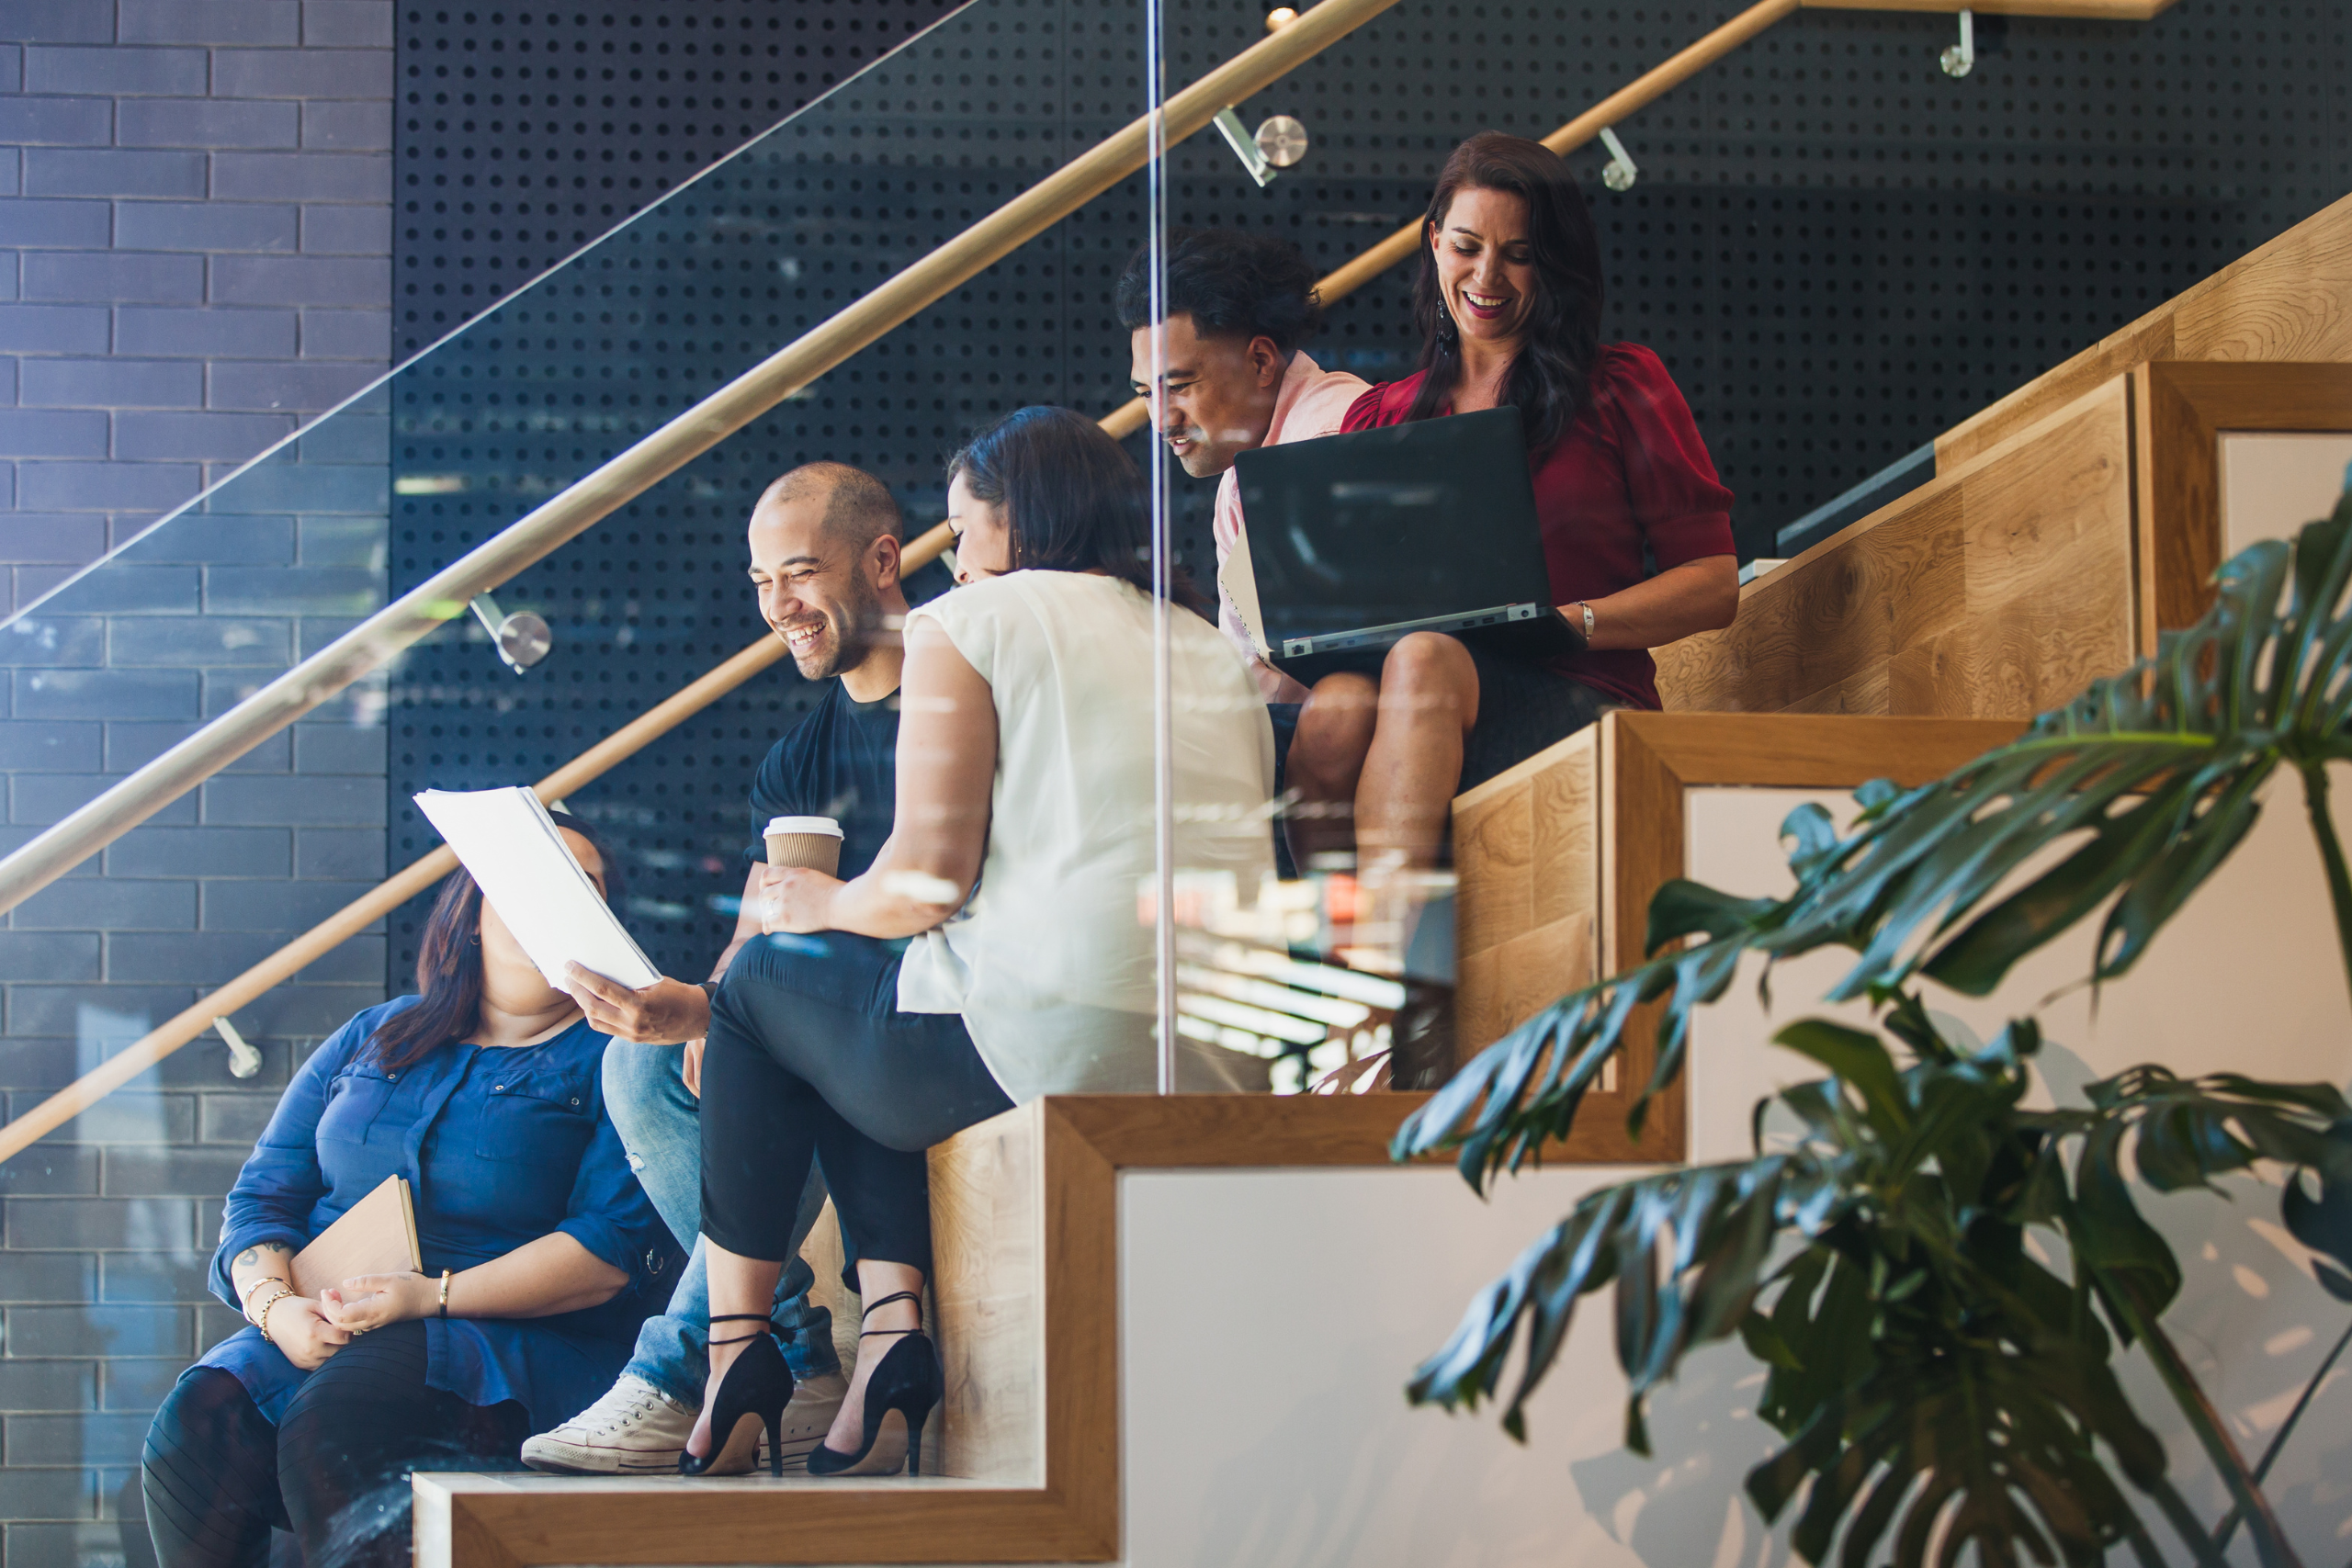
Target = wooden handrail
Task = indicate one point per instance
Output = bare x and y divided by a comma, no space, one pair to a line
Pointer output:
581,506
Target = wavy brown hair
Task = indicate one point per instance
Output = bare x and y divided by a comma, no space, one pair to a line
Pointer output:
1551,380
449,965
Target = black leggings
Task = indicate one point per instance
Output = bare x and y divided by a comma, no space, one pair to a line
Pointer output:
787,1077
335,1469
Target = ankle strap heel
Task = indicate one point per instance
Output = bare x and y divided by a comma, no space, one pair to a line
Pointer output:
768,1328
908,1382
757,1387
913,1296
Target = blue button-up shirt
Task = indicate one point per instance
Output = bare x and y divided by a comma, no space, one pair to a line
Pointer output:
501,1145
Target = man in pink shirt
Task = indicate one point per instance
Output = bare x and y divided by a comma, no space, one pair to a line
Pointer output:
1238,306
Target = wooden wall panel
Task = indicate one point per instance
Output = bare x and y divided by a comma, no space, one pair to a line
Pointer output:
2181,408
988,1294
1526,856
2293,303
1596,823
1995,590
2289,300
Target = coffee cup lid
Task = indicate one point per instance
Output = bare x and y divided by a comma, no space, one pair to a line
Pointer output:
803,825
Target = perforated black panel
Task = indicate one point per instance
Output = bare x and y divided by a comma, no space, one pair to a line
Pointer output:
1838,250
759,250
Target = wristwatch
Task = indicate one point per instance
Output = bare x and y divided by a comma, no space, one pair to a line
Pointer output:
1587,619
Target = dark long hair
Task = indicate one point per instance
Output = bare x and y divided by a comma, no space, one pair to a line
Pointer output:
1073,500
1552,379
449,965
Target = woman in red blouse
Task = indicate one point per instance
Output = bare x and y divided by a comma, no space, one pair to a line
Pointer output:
1636,527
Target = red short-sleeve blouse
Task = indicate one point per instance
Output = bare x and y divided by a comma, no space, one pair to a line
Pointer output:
1630,473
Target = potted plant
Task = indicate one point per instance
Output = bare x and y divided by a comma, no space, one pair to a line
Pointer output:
1937,1384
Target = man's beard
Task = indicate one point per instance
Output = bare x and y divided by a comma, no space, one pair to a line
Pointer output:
855,633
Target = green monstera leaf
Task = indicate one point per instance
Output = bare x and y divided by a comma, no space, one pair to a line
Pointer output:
2149,779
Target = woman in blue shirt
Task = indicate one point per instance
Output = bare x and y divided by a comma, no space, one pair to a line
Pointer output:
541,1255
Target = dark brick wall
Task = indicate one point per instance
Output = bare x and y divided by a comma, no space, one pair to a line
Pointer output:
195,243
194,239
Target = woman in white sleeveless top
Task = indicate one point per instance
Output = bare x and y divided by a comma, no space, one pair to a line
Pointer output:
1021,867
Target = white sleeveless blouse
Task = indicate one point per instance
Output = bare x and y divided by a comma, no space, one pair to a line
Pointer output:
1051,961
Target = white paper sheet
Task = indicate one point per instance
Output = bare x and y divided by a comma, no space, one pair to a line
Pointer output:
510,843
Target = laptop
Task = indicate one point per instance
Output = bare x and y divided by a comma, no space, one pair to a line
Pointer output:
1353,542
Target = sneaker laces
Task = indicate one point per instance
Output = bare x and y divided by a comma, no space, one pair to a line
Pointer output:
622,1407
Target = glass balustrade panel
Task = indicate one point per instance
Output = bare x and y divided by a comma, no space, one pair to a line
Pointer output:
543,328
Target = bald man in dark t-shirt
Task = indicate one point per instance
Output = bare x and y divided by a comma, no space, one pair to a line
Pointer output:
824,543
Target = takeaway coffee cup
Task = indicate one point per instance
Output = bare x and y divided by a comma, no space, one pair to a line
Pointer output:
813,842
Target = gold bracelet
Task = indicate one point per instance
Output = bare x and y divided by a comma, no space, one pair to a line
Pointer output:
444,1293
244,1300
261,1320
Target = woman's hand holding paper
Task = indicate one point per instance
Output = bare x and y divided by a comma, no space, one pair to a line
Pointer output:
668,1012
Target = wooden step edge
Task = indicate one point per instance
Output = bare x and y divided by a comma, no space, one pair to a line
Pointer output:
472,1521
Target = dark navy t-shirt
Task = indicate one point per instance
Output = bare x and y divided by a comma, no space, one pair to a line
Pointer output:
841,761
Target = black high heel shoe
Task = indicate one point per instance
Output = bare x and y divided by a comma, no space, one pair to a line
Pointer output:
757,1386
907,1380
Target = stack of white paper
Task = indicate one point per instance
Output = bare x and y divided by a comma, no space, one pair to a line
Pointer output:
505,838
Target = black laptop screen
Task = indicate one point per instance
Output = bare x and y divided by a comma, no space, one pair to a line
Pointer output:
1392,524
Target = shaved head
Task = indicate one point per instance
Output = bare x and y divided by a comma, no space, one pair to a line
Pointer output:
858,508
824,546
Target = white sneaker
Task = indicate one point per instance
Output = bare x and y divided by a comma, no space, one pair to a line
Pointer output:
635,1430
815,1402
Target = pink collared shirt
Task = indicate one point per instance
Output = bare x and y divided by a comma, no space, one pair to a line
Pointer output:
1313,402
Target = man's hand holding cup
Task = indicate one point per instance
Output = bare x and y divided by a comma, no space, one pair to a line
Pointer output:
804,865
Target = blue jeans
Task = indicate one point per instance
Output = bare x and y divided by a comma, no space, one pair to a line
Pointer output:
659,1121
